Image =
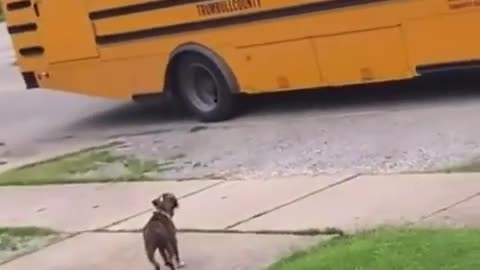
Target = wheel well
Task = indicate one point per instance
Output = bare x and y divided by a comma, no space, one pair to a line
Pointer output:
189,49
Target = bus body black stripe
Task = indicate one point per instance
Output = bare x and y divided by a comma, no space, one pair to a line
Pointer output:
233,20
30,79
137,8
22,28
18,5
31,51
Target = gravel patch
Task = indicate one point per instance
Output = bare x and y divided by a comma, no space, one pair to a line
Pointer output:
388,141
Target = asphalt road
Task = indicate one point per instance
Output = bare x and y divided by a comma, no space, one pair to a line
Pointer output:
33,121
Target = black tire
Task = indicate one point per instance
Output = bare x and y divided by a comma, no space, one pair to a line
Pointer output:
204,89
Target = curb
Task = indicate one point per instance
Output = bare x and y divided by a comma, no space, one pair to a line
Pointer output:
308,232
56,155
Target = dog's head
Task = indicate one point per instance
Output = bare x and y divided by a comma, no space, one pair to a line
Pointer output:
167,202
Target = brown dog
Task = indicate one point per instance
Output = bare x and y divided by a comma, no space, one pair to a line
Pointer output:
160,232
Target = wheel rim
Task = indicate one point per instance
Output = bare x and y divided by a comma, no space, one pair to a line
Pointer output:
203,88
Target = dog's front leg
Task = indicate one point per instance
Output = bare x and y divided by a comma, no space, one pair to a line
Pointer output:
179,262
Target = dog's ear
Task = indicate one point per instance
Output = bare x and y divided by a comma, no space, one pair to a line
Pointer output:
155,202
175,203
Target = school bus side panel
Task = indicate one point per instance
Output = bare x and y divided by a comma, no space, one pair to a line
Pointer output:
288,52
121,78
371,42
444,39
24,38
66,31
357,57
280,66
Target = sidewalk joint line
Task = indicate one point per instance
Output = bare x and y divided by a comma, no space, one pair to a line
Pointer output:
148,210
268,211
446,208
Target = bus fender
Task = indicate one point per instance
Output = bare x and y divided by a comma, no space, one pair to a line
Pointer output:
210,54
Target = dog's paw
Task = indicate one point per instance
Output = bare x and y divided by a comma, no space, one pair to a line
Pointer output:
171,266
181,264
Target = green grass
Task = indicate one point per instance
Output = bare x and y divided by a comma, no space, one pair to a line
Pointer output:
70,169
392,249
14,238
138,168
469,167
1,12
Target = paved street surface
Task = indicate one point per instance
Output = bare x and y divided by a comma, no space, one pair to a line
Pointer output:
335,134
384,128
109,216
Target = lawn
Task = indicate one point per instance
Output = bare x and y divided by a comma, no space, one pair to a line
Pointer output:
21,232
15,240
1,12
83,167
468,167
391,249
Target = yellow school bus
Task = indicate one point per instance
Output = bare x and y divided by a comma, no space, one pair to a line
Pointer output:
207,53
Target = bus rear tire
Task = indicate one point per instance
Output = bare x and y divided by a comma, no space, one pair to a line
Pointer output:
204,89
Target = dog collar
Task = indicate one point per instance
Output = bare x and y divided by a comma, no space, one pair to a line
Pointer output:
162,212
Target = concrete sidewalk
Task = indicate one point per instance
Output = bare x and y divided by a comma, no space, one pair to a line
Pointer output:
85,207
110,214
371,201
125,251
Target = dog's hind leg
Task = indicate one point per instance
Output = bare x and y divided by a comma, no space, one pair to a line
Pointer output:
150,250
167,258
